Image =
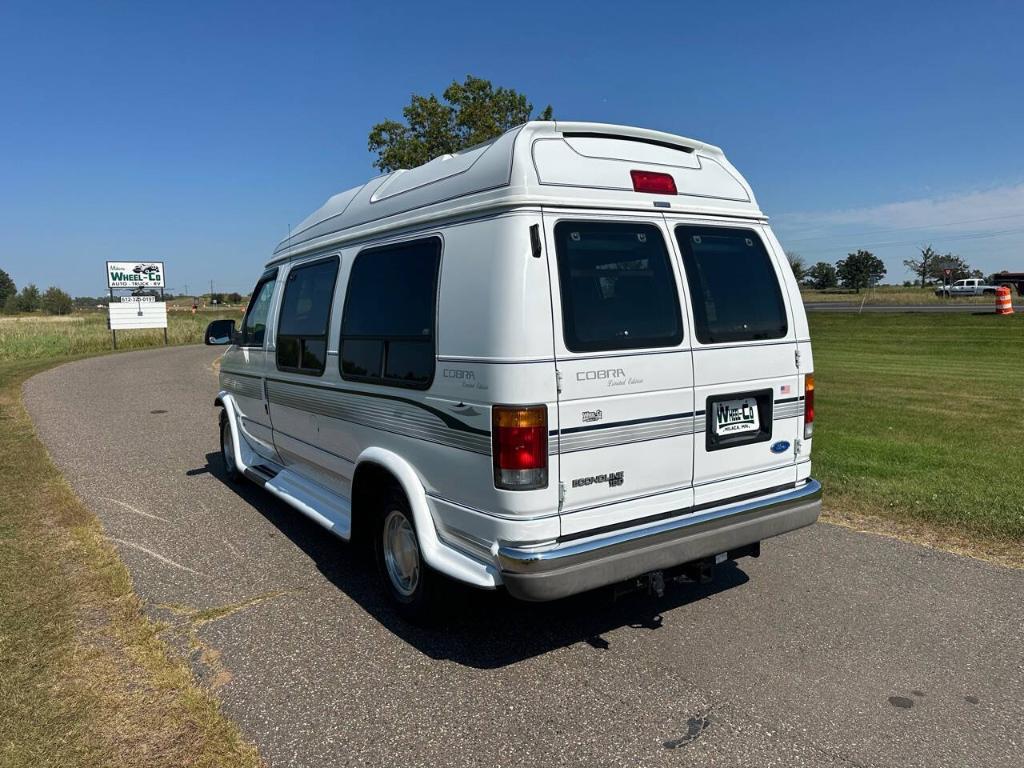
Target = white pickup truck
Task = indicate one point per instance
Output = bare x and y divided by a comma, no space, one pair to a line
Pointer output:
972,286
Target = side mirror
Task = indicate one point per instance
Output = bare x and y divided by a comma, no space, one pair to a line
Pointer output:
219,332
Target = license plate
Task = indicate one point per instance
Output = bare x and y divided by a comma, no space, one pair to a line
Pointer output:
734,417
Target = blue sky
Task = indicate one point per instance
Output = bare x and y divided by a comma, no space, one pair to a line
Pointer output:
197,133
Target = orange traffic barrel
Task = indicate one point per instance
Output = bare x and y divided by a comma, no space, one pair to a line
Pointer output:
1004,305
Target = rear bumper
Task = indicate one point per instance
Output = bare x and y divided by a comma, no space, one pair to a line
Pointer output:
549,574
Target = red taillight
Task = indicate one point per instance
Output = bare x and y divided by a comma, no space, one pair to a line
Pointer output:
808,405
655,183
520,446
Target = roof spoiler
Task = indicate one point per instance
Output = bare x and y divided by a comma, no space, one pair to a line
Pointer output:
642,135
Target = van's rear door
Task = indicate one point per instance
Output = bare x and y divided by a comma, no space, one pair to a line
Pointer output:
745,361
625,424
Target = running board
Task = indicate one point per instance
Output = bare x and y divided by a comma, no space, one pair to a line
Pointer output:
311,499
261,474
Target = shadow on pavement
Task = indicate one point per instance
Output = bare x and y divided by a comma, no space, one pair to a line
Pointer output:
483,629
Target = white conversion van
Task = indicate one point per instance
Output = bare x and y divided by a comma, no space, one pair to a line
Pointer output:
570,357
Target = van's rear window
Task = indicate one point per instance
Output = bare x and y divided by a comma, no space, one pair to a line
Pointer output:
617,286
733,286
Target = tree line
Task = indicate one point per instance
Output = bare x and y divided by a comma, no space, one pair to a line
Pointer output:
863,269
860,269
52,301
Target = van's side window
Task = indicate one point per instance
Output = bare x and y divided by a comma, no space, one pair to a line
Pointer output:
254,326
305,314
617,286
387,329
733,286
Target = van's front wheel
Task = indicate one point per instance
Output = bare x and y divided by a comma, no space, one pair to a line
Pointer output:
409,581
227,450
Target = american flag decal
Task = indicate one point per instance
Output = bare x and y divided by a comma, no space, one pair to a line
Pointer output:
785,389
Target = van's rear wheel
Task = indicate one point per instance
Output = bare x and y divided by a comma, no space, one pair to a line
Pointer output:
227,450
410,583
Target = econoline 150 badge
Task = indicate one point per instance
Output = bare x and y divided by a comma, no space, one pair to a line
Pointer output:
780,447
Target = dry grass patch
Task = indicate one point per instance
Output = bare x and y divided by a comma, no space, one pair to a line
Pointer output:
1009,554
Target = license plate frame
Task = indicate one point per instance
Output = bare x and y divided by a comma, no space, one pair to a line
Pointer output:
716,441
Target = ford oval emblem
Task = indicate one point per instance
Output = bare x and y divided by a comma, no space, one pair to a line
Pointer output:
780,447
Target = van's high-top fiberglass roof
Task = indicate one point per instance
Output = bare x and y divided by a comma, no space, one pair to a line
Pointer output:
586,165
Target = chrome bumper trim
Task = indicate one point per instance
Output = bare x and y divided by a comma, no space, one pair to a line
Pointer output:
550,573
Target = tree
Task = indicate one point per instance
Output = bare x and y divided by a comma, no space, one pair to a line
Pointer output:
7,287
860,270
822,275
959,268
56,302
234,298
89,302
922,267
471,113
796,263
28,299
11,305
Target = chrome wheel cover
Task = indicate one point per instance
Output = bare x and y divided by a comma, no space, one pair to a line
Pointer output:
401,553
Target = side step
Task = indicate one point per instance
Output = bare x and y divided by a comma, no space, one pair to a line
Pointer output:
261,474
311,499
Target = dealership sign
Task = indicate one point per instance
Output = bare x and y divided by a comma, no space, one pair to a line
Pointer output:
135,274
140,314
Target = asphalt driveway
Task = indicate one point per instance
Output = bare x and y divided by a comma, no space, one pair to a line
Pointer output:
833,649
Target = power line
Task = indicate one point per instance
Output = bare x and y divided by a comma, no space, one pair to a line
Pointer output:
877,244
904,229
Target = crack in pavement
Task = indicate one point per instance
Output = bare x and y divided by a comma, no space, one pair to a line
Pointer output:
156,556
192,620
200,616
136,510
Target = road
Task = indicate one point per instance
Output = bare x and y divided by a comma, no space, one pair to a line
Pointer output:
833,649
854,306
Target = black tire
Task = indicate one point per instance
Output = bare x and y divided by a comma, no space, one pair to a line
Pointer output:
227,452
412,587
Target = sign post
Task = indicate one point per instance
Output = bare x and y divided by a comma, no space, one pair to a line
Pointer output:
947,266
138,310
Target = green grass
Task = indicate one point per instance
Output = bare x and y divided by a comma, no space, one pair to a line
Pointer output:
86,678
920,417
38,337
